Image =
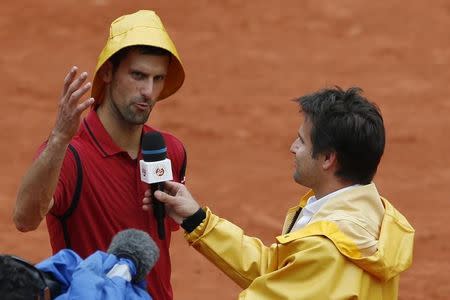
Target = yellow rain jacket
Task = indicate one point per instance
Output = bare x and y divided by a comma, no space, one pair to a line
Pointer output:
327,259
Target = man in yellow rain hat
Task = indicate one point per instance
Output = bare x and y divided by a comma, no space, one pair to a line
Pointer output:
86,178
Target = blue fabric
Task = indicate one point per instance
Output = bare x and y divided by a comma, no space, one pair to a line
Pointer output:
86,279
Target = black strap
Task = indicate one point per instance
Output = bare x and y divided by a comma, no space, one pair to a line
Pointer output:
183,167
191,222
75,198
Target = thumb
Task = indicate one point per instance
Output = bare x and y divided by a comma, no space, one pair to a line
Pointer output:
164,197
172,187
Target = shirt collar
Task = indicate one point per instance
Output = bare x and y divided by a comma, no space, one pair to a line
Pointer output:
101,138
313,205
98,134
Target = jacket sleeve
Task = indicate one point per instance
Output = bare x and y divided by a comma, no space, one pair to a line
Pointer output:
307,268
240,257
313,270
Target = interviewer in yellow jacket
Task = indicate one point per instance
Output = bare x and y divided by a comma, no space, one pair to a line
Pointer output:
343,240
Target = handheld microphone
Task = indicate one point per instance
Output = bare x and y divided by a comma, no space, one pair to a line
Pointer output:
155,170
137,246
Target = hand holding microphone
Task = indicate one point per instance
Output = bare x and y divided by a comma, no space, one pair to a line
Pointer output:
177,199
156,170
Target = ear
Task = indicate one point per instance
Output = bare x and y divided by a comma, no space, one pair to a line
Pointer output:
106,72
329,160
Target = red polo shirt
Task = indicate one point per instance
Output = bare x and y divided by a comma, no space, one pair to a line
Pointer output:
110,199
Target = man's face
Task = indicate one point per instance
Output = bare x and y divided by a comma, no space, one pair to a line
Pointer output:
135,86
307,169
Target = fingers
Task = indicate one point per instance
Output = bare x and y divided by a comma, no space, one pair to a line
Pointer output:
177,199
146,201
73,88
172,187
159,195
84,105
146,207
68,79
164,197
70,107
76,90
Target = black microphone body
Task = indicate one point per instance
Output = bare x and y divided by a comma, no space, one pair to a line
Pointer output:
154,150
159,210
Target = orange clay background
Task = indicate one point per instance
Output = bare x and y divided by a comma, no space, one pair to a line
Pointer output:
244,61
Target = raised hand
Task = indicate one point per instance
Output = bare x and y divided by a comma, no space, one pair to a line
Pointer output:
70,108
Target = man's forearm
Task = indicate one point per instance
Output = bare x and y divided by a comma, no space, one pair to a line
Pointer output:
242,258
34,197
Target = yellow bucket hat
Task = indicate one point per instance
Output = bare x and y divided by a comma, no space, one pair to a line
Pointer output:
140,28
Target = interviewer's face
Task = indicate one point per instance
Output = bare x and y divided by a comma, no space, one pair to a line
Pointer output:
135,86
306,168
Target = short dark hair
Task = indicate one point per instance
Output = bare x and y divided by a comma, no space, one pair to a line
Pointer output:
117,57
346,123
18,280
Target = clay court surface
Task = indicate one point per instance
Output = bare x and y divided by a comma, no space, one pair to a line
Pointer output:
244,61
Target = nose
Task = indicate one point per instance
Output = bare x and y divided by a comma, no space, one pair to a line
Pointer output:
294,147
147,90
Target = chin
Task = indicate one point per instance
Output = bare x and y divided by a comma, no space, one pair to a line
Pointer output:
139,120
296,178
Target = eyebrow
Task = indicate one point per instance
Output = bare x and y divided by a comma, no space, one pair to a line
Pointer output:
157,73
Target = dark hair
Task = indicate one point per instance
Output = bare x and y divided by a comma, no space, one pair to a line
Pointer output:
117,57
346,123
19,279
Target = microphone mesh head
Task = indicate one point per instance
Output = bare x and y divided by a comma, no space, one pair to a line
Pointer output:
153,146
138,246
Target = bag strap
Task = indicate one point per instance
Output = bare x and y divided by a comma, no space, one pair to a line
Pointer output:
183,168
75,198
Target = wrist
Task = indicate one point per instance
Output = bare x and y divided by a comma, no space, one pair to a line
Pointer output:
191,222
57,141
